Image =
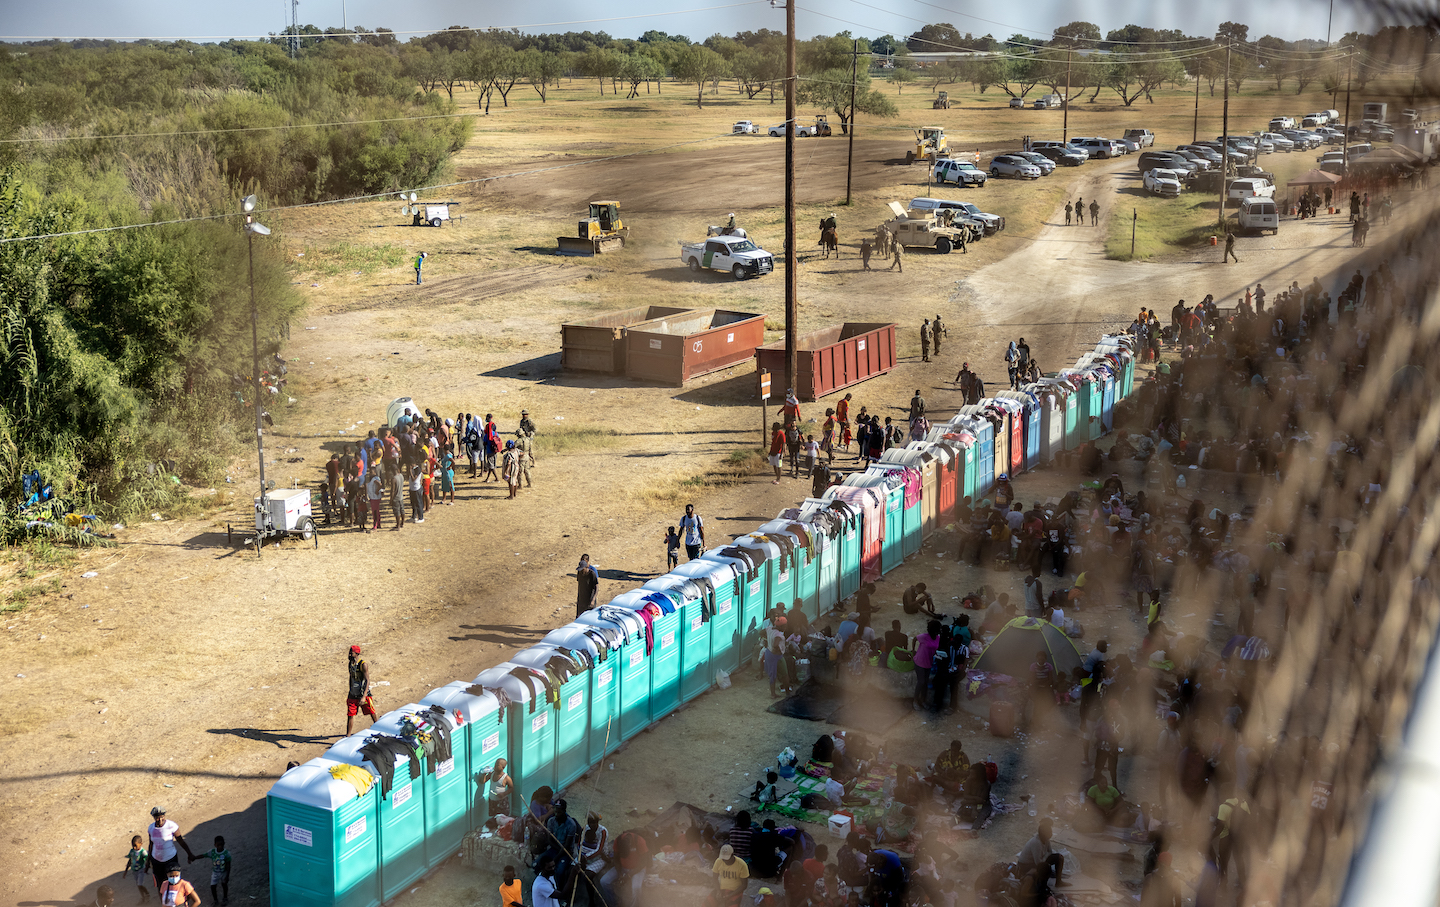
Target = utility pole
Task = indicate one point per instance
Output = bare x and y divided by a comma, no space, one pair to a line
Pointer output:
1065,120
850,152
792,273
1195,131
1345,141
1225,141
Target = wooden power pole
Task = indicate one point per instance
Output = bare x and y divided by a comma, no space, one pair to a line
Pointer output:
1225,142
850,129
792,274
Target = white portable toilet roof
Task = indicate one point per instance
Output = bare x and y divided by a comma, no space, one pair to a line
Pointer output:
455,697
716,571
770,549
573,636
539,655
500,678
348,751
312,784
391,722
686,588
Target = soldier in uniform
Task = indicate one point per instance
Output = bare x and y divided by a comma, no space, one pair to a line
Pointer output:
925,341
938,330
526,449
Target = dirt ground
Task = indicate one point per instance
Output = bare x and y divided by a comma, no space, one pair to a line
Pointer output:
199,671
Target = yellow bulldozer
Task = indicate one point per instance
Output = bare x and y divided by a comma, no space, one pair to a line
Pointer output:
929,144
599,231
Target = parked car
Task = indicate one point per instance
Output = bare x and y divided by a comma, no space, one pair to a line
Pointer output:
1258,214
1200,162
1249,187
1304,140
959,173
1017,103
1240,144
1204,151
736,254
1165,183
1278,141
745,127
1067,146
1169,160
1142,137
1098,147
1280,124
994,223
1046,165
1013,167
1065,157
801,129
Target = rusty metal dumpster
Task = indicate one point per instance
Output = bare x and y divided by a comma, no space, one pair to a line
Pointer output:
834,358
598,344
676,348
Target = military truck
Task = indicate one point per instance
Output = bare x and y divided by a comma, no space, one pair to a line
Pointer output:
923,229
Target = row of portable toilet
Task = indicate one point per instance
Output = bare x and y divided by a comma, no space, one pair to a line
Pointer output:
558,708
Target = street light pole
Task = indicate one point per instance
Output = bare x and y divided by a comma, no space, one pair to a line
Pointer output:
252,228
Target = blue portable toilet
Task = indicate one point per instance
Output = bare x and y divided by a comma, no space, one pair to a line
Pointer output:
681,603
634,662
983,430
1050,407
801,558
530,721
447,791
482,724
749,601
399,816
597,647
572,708
324,839
723,582
1029,415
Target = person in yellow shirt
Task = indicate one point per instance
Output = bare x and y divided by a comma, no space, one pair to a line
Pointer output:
510,895
732,874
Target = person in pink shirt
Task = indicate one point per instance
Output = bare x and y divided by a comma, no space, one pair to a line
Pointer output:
926,645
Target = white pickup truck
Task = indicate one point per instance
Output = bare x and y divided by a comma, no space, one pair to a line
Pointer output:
735,254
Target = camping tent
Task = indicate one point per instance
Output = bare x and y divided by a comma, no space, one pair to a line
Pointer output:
1013,649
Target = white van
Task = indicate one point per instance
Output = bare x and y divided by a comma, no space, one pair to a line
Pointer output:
1259,214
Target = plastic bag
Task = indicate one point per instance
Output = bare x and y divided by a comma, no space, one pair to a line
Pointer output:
722,679
787,756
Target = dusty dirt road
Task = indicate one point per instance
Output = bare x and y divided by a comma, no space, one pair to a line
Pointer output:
187,675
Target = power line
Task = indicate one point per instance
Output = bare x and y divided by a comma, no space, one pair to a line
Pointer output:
267,36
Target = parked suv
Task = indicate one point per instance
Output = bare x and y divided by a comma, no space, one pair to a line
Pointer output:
1061,154
1069,146
1281,142
1046,165
1014,167
1098,147
1142,137
960,173
1169,160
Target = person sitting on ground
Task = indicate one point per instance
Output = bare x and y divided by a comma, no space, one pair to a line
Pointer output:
975,795
1038,885
765,855
823,750
731,874
1038,851
1000,613
765,790
916,600
895,638
1105,802
852,860
951,768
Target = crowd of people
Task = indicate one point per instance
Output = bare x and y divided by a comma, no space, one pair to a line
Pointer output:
412,467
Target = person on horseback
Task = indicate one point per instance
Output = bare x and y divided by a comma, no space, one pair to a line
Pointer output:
729,228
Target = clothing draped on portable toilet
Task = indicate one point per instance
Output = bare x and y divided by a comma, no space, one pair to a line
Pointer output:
529,697
634,694
400,808
482,736
682,666
447,790
869,503
749,602
823,527
597,647
916,456
569,673
1050,403
904,482
983,431
722,582
962,442
802,560
323,831
890,519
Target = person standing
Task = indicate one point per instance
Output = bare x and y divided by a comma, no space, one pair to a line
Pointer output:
510,889
164,857
525,444
105,896
1260,297
511,469
419,260
397,495
357,696
842,421
526,425
790,410
1022,349
491,438
219,859
375,496
940,331
176,892
587,579
692,530
917,406
865,249
1094,213
925,341
1079,211
1068,210
1230,248
777,448
897,256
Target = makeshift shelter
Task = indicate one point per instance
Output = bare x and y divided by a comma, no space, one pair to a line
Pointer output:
1013,649
1315,178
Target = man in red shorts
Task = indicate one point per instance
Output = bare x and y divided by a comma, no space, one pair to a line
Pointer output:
358,699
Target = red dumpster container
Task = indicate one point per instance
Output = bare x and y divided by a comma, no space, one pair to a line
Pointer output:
674,349
833,358
598,344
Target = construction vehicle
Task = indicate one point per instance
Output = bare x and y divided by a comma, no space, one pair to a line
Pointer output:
929,144
822,125
597,232
942,102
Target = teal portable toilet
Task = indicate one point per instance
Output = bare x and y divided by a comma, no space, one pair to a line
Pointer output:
892,497
1069,404
926,494
778,570
634,664
482,724
666,608
869,506
602,646
801,560
697,624
1088,426
983,431
912,503
851,541
749,599
530,721
572,707
399,816
722,581
824,526
447,791
324,842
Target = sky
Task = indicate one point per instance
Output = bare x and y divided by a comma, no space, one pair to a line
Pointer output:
697,19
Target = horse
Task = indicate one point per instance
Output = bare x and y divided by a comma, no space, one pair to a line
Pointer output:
713,230
829,242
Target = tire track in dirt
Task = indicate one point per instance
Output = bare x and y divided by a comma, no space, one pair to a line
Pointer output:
469,287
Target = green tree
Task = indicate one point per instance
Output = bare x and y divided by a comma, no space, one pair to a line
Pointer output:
901,76
699,64
941,36
759,68
830,90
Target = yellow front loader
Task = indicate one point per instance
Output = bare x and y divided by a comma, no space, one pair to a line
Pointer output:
600,230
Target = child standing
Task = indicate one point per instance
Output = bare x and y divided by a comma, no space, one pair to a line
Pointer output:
672,548
510,890
812,454
219,872
447,478
137,865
